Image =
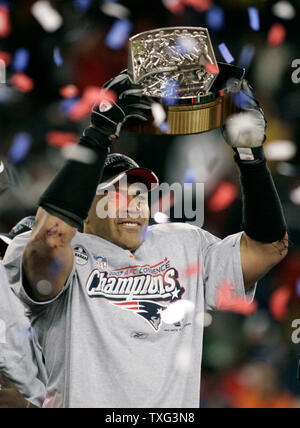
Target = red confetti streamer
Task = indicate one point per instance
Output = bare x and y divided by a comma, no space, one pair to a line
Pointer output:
279,302
5,26
227,300
199,5
192,270
223,197
92,95
23,82
277,35
61,138
6,57
212,68
174,6
79,111
69,91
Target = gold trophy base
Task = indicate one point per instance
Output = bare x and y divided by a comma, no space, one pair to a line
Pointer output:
189,119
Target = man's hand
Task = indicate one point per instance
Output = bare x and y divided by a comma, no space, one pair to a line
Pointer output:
246,129
10,397
110,115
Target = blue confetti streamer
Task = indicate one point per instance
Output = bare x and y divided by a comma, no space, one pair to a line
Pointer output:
215,18
190,176
118,34
170,93
254,20
21,60
67,104
82,5
20,147
57,57
246,56
164,127
226,53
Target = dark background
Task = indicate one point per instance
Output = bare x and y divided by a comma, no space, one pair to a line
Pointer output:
248,361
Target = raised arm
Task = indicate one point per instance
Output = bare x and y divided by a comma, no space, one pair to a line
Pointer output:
265,240
48,256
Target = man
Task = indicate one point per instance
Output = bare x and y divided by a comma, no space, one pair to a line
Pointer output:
102,303
20,385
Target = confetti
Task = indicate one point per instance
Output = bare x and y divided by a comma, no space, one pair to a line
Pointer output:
215,18
21,59
95,95
61,138
165,127
23,82
79,153
69,91
280,150
82,5
295,196
5,25
227,300
190,176
79,111
176,312
254,20
199,5
224,196
284,10
170,92
212,68
6,57
67,104
20,147
57,57
44,288
246,56
118,34
226,53
276,35
161,218
298,287
115,10
278,303
174,6
192,270
47,16
158,114
204,319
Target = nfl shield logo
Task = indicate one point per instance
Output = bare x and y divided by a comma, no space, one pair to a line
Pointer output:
101,262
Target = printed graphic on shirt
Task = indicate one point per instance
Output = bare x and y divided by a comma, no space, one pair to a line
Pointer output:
80,254
140,289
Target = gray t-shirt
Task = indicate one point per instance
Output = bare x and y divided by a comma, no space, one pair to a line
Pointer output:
126,330
17,357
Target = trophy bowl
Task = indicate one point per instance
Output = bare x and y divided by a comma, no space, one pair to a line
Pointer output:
177,67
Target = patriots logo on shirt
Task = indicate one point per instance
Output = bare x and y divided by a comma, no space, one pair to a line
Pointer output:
141,289
151,311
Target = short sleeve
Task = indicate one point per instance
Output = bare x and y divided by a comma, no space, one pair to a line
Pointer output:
222,266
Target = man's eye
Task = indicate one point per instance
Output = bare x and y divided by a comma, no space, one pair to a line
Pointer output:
141,198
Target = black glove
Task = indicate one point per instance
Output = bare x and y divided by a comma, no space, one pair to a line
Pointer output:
109,116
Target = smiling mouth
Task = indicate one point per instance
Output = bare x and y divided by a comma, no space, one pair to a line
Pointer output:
130,224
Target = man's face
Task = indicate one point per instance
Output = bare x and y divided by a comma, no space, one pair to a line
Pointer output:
126,211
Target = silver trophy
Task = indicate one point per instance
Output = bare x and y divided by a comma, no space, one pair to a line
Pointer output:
177,66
